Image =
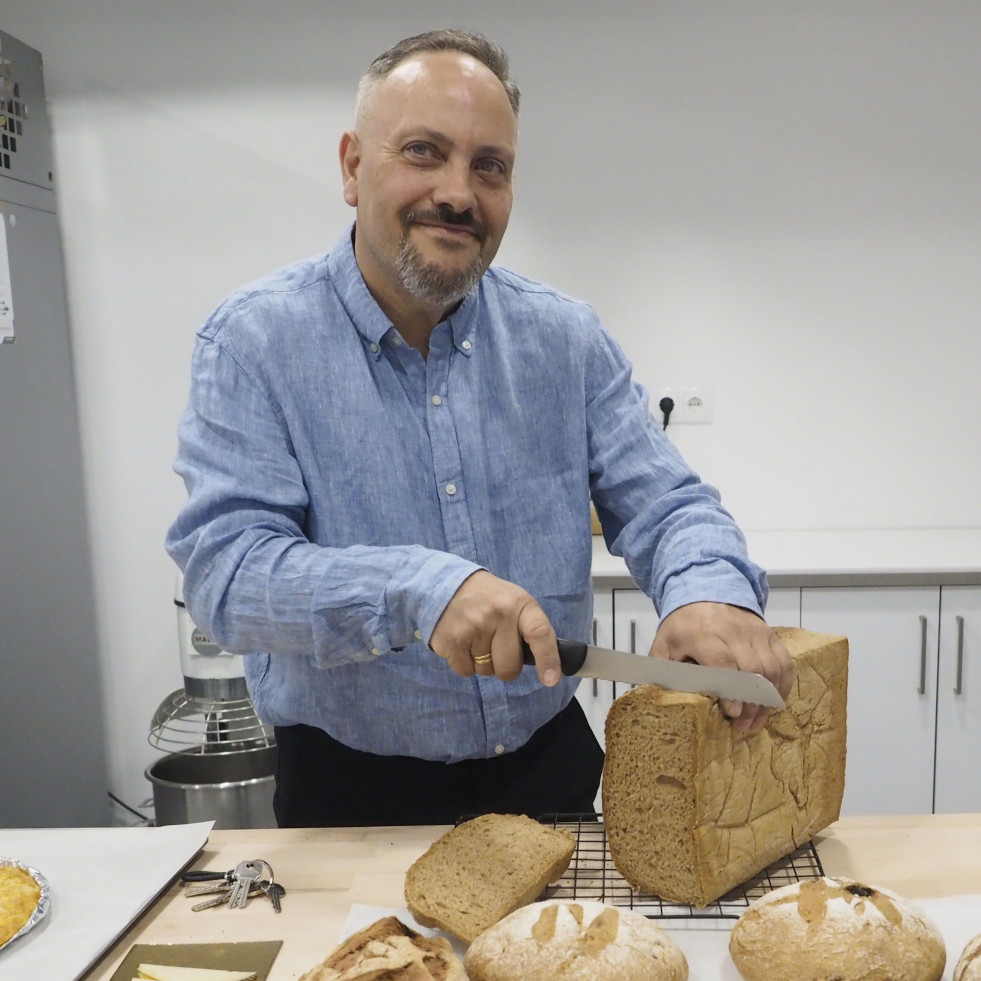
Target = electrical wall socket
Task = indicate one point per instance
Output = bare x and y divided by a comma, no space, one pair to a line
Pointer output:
699,405
691,405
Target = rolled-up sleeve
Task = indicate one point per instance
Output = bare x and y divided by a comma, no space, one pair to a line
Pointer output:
252,579
678,541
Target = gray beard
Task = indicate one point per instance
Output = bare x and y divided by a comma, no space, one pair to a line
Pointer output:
427,281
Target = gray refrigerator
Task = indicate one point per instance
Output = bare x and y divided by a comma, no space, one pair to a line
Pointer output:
52,743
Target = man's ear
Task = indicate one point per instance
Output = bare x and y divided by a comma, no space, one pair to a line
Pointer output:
350,154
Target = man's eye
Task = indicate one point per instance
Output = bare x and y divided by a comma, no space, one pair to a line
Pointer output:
419,149
491,166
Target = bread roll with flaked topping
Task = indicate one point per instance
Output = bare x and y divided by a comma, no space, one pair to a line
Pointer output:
836,928
558,940
969,964
388,950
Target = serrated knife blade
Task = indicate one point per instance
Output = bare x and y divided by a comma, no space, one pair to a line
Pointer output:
585,661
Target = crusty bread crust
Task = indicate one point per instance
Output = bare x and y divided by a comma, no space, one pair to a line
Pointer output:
388,950
836,928
481,870
693,807
574,941
969,963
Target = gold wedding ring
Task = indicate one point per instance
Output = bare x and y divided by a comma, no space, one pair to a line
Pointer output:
480,658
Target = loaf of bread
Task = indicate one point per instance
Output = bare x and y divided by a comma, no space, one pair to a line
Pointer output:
574,941
836,928
390,950
969,963
694,807
481,870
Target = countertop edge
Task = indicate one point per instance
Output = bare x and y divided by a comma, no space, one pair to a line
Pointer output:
911,557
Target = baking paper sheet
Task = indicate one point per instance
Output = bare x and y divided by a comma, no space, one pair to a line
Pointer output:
707,950
100,880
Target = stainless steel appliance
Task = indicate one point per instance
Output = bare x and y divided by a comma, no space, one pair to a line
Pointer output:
221,757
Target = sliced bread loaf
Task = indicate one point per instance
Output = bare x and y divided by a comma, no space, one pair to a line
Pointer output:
481,870
694,807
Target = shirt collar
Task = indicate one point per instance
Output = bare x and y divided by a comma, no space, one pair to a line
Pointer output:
370,320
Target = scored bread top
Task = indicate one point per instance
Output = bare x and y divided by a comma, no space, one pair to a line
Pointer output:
560,940
969,963
836,927
481,870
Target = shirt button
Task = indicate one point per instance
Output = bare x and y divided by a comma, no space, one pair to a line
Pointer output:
373,348
417,634
451,489
499,748
437,400
375,651
466,345
397,339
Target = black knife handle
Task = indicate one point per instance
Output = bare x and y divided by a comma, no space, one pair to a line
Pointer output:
572,654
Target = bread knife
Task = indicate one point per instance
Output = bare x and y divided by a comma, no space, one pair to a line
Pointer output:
585,661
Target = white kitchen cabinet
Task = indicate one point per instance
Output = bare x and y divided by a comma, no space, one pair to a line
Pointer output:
957,788
892,690
594,695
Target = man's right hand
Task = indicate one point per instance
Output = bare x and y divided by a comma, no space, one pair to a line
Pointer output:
483,625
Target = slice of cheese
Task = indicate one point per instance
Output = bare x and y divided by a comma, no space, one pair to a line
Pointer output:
165,972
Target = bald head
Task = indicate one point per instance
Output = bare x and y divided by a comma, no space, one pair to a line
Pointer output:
492,56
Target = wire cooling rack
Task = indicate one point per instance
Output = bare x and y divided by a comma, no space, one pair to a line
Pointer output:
592,875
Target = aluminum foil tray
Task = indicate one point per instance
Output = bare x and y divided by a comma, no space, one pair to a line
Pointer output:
43,904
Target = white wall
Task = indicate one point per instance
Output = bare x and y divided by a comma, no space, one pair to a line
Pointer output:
780,201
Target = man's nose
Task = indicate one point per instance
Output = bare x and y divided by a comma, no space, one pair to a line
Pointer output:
455,187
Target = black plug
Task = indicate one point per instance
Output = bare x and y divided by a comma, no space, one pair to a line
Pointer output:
666,405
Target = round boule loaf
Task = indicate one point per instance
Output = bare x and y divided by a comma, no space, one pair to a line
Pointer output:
969,963
559,940
836,928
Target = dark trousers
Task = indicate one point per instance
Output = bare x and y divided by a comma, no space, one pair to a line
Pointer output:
323,783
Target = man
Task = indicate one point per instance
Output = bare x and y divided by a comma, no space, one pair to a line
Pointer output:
390,453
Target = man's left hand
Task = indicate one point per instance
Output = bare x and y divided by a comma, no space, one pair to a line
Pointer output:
724,636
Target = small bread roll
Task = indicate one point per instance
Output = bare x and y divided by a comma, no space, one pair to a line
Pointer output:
574,941
969,966
836,928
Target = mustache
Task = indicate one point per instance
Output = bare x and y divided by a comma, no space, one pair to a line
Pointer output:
445,215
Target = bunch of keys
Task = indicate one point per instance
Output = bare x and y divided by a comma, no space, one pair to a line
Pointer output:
235,887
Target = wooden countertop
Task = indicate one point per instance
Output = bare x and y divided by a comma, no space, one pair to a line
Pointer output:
327,870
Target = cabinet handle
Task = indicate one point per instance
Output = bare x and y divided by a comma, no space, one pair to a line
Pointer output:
923,655
959,686
633,640
595,682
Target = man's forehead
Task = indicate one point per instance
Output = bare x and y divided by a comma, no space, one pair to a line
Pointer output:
422,88
422,64
428,72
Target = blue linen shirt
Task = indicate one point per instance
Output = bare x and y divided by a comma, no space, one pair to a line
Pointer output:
341,488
